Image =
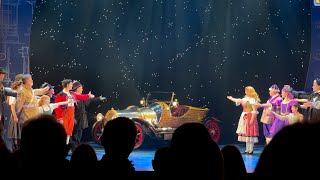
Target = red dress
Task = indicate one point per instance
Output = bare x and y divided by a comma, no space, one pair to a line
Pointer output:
247,132
66,112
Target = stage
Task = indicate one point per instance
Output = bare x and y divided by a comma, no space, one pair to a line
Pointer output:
142,158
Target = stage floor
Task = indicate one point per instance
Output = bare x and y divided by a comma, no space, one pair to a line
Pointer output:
142,158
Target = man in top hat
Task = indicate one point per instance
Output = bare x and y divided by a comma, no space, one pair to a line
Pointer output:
50,93
81,117
65,113
273,104
3,93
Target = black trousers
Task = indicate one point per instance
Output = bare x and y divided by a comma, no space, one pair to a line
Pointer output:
76,137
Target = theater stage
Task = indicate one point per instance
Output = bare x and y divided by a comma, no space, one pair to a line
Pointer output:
142,158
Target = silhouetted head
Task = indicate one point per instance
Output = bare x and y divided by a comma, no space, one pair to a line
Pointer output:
234,167
190,135
162,160
83,156
195,153
43,141
291,153
118,138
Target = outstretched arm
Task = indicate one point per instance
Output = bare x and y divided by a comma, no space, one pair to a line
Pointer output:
94,100
55,105
41,91
301,100
9,92
235,100
82,96
265,105
283,118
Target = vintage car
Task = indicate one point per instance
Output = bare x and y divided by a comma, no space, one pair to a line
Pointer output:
157,119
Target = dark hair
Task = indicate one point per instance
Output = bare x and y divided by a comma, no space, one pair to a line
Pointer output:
297,105
15,85
66,82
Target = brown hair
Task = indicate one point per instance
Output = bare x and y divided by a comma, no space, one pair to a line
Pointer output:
40,103
15,85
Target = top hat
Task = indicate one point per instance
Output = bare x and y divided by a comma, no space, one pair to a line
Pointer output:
47,84
76,85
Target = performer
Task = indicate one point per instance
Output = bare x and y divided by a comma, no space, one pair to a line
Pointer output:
27,103
50,93
273,104
14,126
311,102
294,117
65,113
3,93
285,109
45,107
248,130
81,119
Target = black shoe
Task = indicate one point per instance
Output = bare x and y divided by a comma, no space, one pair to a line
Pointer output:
245,152
251,152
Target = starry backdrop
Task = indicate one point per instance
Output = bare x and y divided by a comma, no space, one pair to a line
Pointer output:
202,50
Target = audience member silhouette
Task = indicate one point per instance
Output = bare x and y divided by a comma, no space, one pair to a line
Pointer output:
234,167
195,153
292,153
118,140
43,148
83,158
162,163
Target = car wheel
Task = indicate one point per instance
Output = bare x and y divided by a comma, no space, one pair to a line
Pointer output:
140,136
213,129
97,130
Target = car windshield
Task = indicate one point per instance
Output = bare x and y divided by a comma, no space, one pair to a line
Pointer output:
157,109
160,96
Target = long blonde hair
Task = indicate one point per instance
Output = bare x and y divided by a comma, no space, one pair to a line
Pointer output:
253,93
42,98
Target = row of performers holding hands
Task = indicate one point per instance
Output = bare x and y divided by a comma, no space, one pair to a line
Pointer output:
278,111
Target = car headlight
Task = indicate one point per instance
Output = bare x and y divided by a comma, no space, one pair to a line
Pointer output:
142,102
99,117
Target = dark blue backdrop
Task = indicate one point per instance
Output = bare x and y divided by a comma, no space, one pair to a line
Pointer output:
202,50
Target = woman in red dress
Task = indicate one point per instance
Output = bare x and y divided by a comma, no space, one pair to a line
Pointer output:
248,130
